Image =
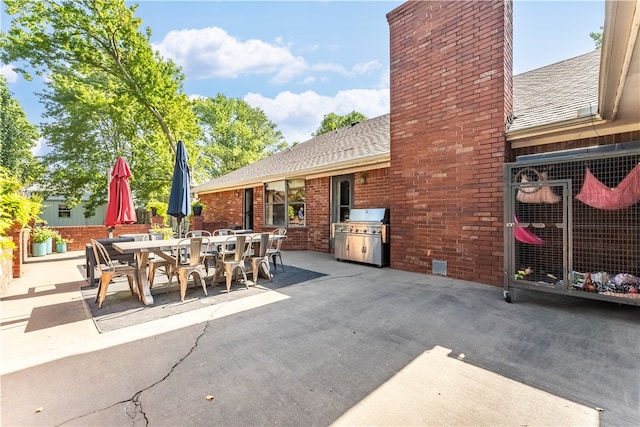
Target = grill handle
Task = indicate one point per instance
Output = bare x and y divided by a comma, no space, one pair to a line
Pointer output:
385,233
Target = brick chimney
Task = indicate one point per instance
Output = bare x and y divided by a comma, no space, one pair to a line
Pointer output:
451,91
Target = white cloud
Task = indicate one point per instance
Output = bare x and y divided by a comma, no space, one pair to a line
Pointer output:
9,74
366,67
212,52
299,114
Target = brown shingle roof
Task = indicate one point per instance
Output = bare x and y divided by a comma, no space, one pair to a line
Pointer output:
361,143
554,93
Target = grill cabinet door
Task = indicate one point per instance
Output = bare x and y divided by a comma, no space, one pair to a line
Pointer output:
372,250
340,249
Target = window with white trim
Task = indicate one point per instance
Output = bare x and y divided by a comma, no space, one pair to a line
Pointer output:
64,211
284,203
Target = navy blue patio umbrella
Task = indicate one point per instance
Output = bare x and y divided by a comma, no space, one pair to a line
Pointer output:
180,197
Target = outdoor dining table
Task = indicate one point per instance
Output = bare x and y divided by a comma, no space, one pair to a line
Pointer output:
142,249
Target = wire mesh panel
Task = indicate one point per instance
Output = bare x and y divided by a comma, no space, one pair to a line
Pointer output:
573,225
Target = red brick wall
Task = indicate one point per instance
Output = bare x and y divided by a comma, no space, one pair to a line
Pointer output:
81,235
451,81
374,192
318,215
224,210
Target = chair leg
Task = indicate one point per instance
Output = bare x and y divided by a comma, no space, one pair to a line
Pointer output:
244,276
98,291
275,265
199,280
105,279
182,278
255,267
227,273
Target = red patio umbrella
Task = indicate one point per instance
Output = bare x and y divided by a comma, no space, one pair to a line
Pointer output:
120,208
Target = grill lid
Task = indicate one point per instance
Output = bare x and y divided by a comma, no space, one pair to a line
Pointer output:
369,215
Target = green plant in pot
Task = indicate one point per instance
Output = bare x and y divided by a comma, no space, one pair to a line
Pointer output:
166,232
197,207
39,238
158,209
61,243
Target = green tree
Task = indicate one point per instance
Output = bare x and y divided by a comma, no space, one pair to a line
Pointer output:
109,94
333,121
234,134
17,138
90,127
597,38
100,40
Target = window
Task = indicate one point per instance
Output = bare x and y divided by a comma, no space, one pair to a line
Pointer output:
284,203
64,211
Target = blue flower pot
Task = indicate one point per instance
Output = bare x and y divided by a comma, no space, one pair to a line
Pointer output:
61,248
49,243
39,249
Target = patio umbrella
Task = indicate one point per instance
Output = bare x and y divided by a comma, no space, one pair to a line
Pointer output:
180,197
120,208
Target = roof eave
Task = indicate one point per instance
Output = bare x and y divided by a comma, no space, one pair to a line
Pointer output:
622,23
366,163
522,137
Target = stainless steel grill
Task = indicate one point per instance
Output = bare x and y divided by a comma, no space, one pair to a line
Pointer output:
364,237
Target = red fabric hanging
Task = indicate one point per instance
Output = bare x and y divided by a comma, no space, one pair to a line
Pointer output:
525,236
595,194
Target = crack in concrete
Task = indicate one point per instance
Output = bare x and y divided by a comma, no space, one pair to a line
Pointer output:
135,401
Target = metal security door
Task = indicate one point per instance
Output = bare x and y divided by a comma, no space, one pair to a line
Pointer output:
537,240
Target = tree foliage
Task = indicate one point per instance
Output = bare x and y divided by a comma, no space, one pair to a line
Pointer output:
85,38
17,138
597,38
333,121
15,207
89,128
109,94
234,134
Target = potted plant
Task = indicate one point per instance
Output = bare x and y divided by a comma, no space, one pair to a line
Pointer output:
39,237
165,232
197,207
61,244
158,209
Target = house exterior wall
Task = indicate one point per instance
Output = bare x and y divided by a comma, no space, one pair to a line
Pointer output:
374,193
451,87
576,143
50,214
224,210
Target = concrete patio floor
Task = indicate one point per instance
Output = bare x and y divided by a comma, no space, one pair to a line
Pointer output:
358,345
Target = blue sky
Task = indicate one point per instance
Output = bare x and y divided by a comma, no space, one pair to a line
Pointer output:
300,60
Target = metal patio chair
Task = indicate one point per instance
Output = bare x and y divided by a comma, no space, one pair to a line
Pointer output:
109,271
274,248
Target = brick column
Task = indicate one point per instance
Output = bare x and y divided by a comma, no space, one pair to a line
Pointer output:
15,233
451,82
